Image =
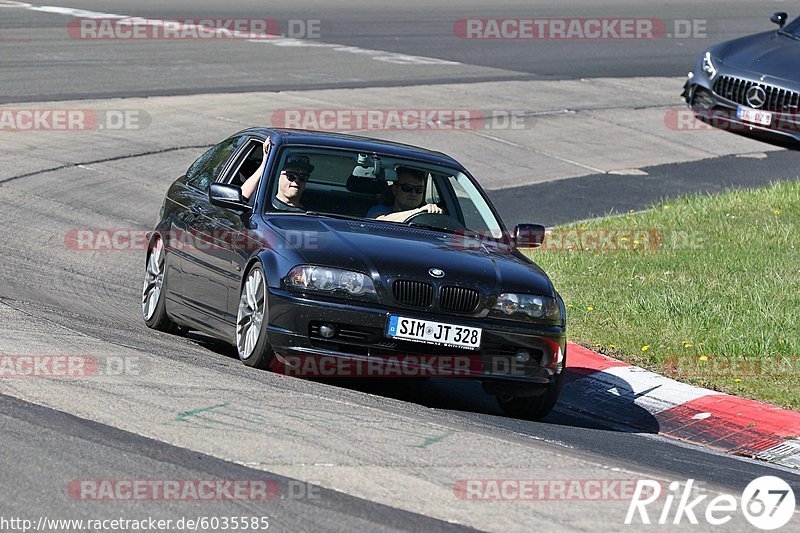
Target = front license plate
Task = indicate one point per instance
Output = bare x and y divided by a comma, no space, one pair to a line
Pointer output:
754,115
413,329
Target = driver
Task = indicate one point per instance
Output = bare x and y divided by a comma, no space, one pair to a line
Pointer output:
406,197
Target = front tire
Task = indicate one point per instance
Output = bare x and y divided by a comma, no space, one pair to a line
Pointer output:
535,407
154,309
252,320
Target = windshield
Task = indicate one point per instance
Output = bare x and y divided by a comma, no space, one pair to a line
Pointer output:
793,28
330,182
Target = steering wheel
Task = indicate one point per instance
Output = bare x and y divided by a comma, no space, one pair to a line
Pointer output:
435,220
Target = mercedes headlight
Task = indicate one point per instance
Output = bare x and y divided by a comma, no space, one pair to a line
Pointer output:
708,67
330,280
526,307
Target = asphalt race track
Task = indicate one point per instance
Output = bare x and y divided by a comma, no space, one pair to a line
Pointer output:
73,69
355,455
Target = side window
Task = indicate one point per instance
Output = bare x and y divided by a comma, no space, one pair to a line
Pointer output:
476,212
205,169
432,195
247,163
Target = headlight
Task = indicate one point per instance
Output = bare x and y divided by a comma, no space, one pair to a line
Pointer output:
526,306
708,66
330,280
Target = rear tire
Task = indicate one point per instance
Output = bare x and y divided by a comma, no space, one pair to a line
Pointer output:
251,323
154,309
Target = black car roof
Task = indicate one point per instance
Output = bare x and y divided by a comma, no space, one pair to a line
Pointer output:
286,136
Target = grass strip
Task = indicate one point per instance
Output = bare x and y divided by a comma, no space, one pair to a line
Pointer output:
704,289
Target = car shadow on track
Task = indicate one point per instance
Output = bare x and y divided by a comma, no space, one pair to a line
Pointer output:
582,404
611,403
612,409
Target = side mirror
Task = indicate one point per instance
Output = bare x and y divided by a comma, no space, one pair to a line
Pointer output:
529,235
227,196
779,18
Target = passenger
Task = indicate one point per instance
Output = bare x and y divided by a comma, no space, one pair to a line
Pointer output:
406,197
291,182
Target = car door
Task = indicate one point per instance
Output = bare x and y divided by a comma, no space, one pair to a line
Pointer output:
214,269
201,271
183,210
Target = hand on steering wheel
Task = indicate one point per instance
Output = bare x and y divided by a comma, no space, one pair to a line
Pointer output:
430,208
432,215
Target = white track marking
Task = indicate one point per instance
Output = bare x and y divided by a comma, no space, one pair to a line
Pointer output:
377,55
547,154
274,40
73,12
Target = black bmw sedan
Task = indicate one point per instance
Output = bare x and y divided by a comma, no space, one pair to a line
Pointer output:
299,247
751,85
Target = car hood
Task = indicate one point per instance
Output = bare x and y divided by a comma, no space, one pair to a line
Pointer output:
766,53
390,251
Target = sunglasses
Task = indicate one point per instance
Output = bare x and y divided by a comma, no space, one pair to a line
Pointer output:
299,176
407,187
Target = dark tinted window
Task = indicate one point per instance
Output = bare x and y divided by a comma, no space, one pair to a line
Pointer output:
247,163
209,165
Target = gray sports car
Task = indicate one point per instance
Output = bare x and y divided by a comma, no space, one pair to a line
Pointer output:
751,85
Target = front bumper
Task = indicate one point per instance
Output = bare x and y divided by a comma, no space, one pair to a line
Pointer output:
295,335
721,112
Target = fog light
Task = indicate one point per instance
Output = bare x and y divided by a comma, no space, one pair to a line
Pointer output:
522,356
327,331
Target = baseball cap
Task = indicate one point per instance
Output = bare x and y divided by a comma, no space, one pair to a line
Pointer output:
415,173
299,161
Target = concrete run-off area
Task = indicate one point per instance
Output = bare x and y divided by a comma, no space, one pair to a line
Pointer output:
508,134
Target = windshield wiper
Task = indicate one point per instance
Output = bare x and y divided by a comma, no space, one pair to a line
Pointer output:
465,232
792,35
332,215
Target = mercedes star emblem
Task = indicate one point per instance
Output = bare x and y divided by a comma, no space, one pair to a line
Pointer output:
756,97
